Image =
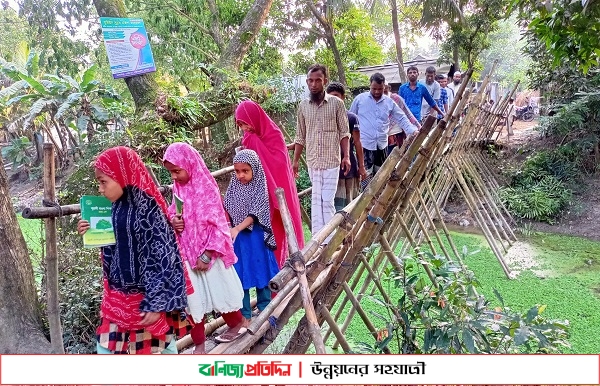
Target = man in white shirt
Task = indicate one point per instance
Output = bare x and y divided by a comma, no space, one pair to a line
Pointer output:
434,90
456,80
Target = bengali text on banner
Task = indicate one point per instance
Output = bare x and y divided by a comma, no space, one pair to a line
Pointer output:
299,369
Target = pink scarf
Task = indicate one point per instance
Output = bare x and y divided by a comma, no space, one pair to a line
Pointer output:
268,142
206,225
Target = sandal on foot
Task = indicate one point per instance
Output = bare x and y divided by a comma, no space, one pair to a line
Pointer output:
230,336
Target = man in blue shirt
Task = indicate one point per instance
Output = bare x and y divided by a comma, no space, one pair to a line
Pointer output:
374,110
414,92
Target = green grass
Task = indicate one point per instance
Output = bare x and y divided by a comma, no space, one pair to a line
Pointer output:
33,232
570,287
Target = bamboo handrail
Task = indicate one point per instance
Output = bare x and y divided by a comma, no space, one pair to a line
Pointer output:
299,267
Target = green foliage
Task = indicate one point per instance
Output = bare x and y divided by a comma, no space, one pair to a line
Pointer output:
454,318
561,278
17,152
80,291
355,40
543,185
541,188
541,200
264,59
506,46
471,36
578,119
569,32
55,32
82,181
14,32
77,104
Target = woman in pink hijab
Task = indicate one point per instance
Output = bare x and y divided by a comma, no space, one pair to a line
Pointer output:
263,136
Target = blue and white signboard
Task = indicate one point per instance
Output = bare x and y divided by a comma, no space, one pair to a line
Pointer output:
127,46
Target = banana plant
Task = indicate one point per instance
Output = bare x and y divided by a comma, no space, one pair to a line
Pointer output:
56,103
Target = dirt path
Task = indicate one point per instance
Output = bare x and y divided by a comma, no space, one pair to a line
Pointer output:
579,219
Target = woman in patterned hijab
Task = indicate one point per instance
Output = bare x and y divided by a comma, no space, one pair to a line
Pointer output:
247,202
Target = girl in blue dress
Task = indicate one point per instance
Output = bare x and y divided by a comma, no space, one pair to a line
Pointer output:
247,203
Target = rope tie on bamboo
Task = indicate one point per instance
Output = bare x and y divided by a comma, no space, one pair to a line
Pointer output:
348,222
394,176
53,204
376,220
296,257
424,153
268,337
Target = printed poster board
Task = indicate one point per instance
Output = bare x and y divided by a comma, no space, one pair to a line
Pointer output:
127,46
97,210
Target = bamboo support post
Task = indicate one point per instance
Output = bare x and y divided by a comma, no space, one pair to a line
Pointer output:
336,330
423,227
56,338
483,210
415,246
444,228
489,200
471,203
299,267
432,224
366,283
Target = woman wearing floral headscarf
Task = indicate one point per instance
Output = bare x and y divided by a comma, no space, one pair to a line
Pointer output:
205,243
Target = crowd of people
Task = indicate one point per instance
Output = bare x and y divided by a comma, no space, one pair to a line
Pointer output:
169,268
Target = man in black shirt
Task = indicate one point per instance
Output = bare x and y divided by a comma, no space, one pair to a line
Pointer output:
347,188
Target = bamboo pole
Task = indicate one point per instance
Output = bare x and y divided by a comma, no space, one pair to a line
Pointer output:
352,211
366,283
444,228
336,330
432,224
299,267
471,203
64,210
361,312
486,197
328,295
52,253
423,227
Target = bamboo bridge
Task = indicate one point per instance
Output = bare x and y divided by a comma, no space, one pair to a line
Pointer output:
400,210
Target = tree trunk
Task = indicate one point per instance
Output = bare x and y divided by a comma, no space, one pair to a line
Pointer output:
456,59
399,54
236,49
143,88
330,39
336,55
21,326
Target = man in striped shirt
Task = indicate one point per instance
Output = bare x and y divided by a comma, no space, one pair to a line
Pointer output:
322,127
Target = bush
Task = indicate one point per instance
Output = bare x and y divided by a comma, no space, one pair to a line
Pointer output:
543,186
80,290
452,318
542,200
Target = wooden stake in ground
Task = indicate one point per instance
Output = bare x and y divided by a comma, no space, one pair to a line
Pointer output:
52,252
297,262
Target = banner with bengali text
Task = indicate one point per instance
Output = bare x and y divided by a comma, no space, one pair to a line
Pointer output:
298,369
